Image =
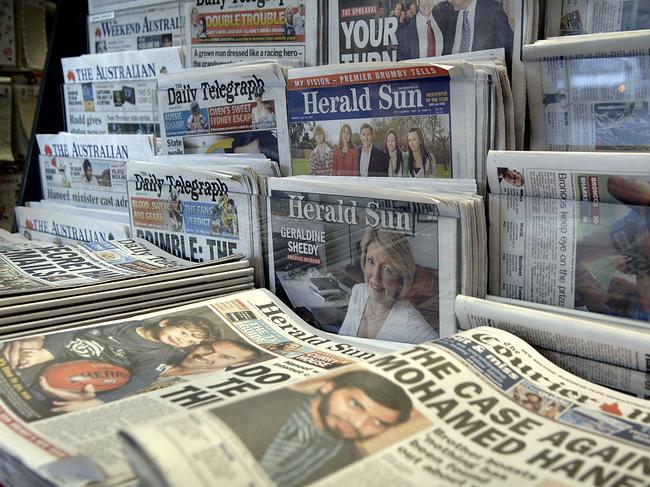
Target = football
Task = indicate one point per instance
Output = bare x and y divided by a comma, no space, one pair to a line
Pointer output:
73,376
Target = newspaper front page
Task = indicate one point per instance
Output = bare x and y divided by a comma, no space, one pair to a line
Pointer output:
589,93
193,213
362,31
61,225
137,28
479,408
383,119
114,93
385,265
576,17
43,268
89,170
234,31
58,388
238,109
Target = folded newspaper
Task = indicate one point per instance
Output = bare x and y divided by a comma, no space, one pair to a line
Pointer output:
580,240
415,119
89,170
114,93
235,31
132,371
366,30
368,258
590,92
478,408
200,211
65,224
135,27
234,109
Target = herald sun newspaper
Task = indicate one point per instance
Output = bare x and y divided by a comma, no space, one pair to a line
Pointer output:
57,388
477,408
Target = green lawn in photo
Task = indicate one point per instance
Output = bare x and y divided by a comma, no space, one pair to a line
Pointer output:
300,167
441,173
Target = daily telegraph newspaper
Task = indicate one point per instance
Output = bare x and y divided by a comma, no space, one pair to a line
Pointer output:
114,93
478,408
590,93
137,28
575,17
572,254
42,268
132,371
61,224
196,214
383,266
89,170
230,31
383,119
233,109
393,30
590,177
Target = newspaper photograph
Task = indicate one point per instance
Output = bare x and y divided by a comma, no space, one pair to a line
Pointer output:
608,111
234,31
481,406
42,268
149,366
89,170
135,29
588,255
239,109
6,107
576,17
114,93
378,120
359,266
193,214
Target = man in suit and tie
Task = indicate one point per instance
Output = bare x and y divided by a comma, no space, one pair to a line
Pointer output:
424,34
372,160
477,25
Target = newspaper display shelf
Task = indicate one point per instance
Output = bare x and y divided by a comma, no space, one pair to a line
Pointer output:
566,235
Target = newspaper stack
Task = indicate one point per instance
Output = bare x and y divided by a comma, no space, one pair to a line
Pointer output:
133,25
367,30
200,208
83,181
571,17
231,31
49,287
589,92
479,408
410,119
368,258
234,109
114,93
225,346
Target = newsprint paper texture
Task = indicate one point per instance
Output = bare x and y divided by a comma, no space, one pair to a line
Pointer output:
478,408
228,346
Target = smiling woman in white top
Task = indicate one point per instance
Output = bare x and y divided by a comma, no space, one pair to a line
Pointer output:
378,307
